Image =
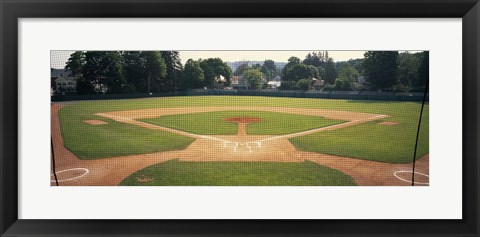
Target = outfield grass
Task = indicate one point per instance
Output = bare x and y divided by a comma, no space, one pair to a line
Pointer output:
177,173
370,141
213,123
392,144
113,139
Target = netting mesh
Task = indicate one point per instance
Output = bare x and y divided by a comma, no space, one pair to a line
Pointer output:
239,118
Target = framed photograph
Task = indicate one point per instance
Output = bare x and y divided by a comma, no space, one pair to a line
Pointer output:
239,118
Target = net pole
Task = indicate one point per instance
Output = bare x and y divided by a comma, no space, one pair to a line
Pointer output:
53,163
418,132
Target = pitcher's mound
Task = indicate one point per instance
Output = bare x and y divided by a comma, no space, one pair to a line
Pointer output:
389,123
94,122
243,119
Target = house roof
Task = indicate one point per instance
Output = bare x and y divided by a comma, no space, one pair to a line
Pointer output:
274,83
220,79
54,72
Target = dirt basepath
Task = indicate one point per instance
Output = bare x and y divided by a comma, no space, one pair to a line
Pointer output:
242,129
240,147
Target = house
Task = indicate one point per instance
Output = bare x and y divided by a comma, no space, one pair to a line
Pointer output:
234,81
274,84
220,79
241,83
67,84
62,80
219,82
277,78
317,83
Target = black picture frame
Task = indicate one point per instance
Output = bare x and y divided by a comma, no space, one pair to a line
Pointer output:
11,11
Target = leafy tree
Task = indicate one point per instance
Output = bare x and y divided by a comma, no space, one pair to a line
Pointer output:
93,71
193,75
300,71
113,74
156,72
135,70
104,69
330,72
357,64
253,78
288,85
257,66
292,61
321,72
380,68
316,59
423,71
75,63
84,87
304,84
213,67
346,77
408,66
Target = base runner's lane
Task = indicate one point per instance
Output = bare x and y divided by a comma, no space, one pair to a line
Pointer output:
156,127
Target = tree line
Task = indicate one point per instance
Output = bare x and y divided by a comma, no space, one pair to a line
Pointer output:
257,74
117,72
391,70
378,70
298,74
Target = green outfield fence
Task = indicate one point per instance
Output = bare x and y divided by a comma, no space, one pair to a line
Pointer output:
346,95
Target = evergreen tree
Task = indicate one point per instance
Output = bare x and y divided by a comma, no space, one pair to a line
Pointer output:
330,72
241,69
174,70
269,69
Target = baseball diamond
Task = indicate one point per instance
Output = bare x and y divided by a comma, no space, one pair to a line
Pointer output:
238,141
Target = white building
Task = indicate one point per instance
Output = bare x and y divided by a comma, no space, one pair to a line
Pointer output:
63,81
274,84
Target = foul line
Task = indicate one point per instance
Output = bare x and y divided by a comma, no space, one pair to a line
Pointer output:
346,124
153,126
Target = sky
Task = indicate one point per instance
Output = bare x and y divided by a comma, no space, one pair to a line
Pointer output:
59,58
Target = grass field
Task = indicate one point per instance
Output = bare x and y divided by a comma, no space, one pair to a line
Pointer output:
177,173
113,139
213,123
370,141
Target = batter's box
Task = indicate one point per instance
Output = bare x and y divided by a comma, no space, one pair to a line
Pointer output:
243,146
